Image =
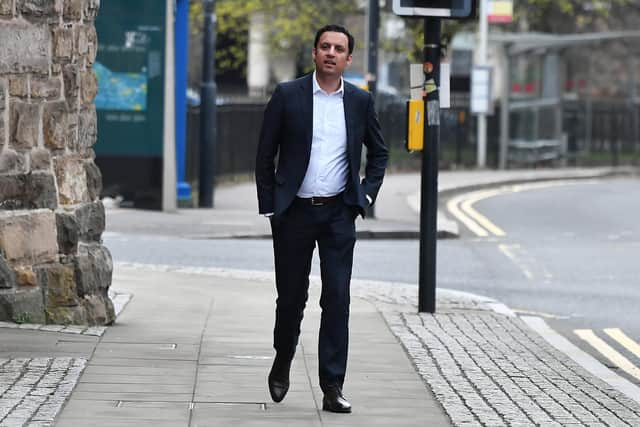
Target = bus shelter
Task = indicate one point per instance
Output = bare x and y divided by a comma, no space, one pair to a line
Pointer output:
546,95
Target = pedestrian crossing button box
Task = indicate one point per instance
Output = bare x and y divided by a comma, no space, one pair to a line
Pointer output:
415,125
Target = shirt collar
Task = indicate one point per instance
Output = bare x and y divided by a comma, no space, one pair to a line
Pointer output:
316,87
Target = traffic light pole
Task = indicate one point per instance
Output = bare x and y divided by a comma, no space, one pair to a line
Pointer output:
373,23
430,154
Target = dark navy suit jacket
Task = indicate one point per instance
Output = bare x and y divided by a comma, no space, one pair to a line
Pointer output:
286,134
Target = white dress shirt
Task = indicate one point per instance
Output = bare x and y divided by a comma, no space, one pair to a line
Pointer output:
328,166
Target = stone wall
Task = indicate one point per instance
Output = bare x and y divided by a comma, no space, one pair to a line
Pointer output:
53,267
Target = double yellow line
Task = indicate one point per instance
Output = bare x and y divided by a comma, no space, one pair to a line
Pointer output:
461,207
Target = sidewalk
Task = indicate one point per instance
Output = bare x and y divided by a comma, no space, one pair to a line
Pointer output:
201,342
193,346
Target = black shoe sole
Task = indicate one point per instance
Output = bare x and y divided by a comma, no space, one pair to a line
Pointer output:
336,410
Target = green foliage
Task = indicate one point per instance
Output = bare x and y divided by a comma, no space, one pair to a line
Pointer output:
23,317
415,29
563,16
291,24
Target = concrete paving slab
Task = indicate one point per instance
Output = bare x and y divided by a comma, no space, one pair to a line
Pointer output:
131,329
214,347
118,423
18,343
187,370
264,361
150,336
165,351
132,396
230,336
259,415
123,362
210,420
135,378
101,412
114,387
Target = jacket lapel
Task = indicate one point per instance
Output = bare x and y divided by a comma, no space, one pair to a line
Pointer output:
349,116
306,107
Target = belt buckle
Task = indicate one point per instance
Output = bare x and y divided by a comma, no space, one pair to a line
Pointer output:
316,203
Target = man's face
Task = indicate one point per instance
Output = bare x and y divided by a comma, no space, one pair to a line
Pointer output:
331,55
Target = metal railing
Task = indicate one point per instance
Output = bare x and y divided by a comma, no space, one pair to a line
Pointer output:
237,142
604,133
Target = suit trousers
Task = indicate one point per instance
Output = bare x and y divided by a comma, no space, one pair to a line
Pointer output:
295,234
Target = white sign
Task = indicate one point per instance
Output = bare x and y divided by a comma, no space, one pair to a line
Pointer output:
445,85
481,90
442,8
416,80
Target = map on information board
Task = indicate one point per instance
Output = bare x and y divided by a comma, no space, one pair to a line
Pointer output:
120,91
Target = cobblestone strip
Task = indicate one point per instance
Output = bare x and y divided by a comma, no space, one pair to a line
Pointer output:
499,355
32,391
488,369
581,383
545,369
427,367
487,353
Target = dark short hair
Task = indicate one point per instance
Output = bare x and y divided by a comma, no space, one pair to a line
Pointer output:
335,29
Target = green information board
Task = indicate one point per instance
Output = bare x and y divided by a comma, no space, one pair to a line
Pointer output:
130,71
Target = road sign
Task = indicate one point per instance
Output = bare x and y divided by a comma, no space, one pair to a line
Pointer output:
500,11
481,90
452,9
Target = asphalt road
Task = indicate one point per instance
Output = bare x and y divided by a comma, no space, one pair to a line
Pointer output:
576,248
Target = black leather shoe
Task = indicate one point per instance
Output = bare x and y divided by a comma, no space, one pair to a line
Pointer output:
279,379
334,401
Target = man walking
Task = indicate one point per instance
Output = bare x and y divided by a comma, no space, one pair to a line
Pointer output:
316,126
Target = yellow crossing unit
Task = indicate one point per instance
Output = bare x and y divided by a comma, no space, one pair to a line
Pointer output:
415,125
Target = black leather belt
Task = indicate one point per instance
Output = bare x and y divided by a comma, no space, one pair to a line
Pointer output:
319,200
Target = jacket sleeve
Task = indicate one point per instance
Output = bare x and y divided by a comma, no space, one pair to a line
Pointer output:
377,153
267,149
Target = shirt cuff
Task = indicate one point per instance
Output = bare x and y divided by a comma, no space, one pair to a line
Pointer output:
369,199
268,214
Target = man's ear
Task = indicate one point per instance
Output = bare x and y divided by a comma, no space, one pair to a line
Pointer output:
313,53
349,59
